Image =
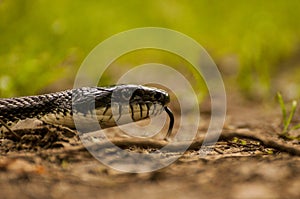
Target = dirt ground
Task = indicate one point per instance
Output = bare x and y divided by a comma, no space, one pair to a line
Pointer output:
248,161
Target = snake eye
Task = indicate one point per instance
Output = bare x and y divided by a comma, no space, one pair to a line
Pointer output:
157,96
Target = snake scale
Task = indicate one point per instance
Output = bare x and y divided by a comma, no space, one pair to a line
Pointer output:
111,106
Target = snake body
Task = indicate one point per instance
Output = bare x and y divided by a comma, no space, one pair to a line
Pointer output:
109,106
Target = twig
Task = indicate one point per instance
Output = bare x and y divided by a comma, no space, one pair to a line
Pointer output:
197,143
272,142
11,131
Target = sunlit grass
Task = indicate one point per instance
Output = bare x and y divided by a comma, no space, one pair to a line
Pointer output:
43,41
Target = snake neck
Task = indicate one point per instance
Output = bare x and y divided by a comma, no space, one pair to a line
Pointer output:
19,108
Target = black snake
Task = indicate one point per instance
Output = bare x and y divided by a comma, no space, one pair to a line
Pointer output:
111,106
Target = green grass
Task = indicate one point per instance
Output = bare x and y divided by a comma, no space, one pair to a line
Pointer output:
44,41
287,118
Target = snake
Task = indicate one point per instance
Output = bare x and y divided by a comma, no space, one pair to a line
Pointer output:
108,106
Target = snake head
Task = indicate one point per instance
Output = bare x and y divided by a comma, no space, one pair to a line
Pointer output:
137,94
88,98
121,104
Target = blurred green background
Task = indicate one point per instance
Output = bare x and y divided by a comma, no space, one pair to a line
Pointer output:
256,44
